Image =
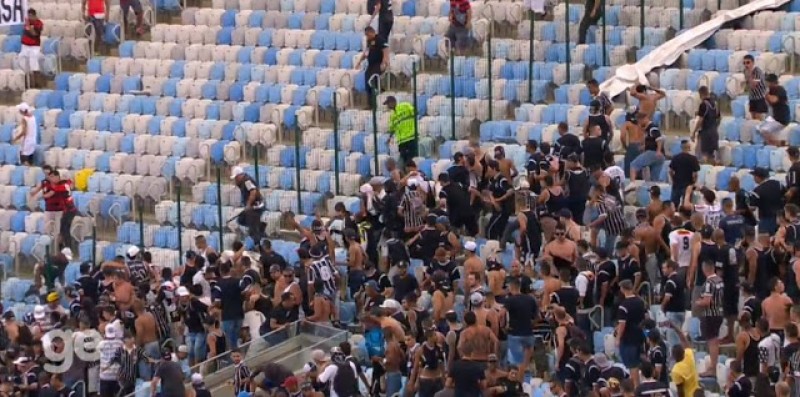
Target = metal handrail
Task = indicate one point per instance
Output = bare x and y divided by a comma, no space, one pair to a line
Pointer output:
793,53
648,298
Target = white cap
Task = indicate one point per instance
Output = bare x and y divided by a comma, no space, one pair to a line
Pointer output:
182,291
319,355
470,246
412,182
391,304
183,349
365,188
21,360
67,253
197,379
23,107
236,171
476,298
133,251
39,313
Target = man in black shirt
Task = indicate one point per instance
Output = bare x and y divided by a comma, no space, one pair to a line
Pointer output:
458,172
793,176
253,204
567,143
597,118
706,124
778,100
738,384
377,56
193,314
403,283
683,170
592,13
732,223
630,337
270,257
673,302
467,377
286,312
767,196
594,148
459,209
227,295
382,9
501,199
651,387
653,155
522,312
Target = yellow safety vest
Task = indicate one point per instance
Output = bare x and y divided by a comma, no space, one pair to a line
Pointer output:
401,122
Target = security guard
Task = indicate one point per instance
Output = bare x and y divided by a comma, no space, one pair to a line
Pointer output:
401,126
253,203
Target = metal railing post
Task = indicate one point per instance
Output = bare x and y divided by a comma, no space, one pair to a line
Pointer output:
530,56
566,41
604,61
179,222
489,70
336,142
255,165
219,207
452,92
416,115
297,167
680,15
375,93
140,204
641,24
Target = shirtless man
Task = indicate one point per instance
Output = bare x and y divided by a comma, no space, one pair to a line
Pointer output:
507,166
496,279
551,285
656,206
146,336
473,262
562,251
483,315
775,307
124,293
356,261
286,283
321,304
644,235
573,228
477,341
647,101
390,325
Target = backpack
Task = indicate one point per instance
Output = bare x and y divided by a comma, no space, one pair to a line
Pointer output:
375,343
345,383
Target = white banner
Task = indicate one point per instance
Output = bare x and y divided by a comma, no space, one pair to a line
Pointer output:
13,12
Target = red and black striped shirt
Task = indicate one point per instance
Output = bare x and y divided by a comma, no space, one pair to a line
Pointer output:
61,200
33,37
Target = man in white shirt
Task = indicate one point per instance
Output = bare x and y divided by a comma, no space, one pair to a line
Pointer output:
28,133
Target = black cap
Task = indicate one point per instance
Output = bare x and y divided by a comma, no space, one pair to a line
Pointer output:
760,172
621,245
565,213
601,252
792,151
390,99
706,231
655,189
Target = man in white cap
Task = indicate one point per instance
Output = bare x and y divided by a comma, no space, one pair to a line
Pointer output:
28,134
200,389
253,204
140,273
109,368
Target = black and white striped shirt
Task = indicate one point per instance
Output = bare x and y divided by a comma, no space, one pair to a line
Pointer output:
413,205
614,213
323,269
713,288
760,90
128,364
240,377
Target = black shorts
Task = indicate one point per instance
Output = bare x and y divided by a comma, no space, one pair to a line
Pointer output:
731,300
709,327
758,106
26,159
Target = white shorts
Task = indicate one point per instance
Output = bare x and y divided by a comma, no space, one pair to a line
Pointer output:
32,54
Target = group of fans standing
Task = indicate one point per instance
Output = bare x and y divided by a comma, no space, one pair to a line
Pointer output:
444,315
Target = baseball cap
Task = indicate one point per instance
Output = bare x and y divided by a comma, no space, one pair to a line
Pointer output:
8,315
182,291
470,246
290,382
391,304
476,298
236,171
601,360
371,284
390,99
39,313
183,349
52,297
23,107
111,332
133,251
197,379
319,355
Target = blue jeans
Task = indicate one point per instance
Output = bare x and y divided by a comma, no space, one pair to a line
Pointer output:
152,350
633,151
231,330
767,224
517,346
651,159
630,355
394,383
196,341
609,241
